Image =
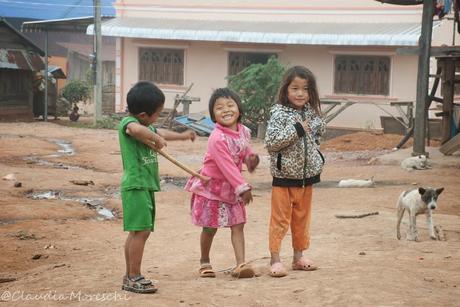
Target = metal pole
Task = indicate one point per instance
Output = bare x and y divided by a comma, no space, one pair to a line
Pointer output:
422,79
45,111
98,68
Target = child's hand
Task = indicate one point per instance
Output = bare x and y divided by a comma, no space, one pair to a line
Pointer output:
158,142
306,126
252,161
246,197
189,135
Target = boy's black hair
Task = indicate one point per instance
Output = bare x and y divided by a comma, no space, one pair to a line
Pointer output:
303,73
224,92
146,97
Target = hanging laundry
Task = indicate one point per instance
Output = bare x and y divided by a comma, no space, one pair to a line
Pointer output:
439,8
456,14
447,6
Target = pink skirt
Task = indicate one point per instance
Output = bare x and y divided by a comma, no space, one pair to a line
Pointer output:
215,214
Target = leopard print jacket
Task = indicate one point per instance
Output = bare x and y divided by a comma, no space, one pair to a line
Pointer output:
295,159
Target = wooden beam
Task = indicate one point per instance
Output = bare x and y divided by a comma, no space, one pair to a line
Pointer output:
451,146
422,79
401,2
448,71
434,51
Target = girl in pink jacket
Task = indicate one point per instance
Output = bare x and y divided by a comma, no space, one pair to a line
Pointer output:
221,201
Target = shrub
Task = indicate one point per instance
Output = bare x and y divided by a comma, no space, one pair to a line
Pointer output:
257,86
76,91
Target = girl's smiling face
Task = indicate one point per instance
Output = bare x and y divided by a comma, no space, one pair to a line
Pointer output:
226,112
297,93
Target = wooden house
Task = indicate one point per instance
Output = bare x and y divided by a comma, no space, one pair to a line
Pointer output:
20,60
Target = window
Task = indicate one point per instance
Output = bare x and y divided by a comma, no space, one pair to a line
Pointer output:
164,66
365,75
237,61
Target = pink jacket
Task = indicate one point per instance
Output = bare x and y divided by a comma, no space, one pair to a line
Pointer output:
223,161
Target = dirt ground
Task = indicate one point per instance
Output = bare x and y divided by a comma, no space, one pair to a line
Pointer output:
63,250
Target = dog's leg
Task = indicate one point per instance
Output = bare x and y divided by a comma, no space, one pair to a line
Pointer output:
400,215
429,223
412,235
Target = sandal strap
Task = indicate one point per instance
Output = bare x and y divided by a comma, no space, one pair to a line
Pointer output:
141,280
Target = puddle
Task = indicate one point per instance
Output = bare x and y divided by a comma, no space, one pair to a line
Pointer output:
39,161
66,149
174,181
92,203
378,183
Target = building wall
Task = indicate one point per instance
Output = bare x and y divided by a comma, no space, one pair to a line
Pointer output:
206,63
62,63
16,105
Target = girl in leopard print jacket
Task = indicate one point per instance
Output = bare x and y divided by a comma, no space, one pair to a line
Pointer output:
293,130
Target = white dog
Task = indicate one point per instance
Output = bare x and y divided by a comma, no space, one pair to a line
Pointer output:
356,183
417,162
417,201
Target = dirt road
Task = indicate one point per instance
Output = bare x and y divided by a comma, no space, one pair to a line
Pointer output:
78,247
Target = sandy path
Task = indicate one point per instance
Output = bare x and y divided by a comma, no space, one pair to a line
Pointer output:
361,262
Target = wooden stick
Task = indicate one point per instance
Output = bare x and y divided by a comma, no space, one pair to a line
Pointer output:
358,216
182,166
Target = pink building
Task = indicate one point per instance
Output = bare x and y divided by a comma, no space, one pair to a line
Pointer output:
350,45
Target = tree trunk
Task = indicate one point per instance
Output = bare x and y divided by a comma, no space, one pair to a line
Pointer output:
261,128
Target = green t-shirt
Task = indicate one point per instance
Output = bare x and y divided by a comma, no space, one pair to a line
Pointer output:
140,163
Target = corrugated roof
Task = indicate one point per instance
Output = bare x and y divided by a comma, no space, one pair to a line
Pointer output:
53,9
20,59
379,34
76,24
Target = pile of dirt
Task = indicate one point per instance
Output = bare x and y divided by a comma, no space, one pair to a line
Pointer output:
367,141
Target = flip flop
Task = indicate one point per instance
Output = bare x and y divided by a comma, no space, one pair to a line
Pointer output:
206,271
243,270
304,264
277,270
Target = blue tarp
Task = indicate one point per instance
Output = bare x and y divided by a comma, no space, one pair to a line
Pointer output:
52,9
203,126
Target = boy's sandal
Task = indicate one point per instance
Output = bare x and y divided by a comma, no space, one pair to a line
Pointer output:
139,285
142,281
243,270
304,264
277,269
206,270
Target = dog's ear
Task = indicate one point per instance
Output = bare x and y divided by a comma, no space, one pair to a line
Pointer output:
421,191
439,191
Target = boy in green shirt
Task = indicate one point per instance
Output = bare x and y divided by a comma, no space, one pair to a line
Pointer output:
138,142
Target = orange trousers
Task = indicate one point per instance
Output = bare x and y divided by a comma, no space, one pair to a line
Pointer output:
291,206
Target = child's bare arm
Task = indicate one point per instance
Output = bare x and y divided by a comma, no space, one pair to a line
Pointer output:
252,161
177,136
246,197
145,135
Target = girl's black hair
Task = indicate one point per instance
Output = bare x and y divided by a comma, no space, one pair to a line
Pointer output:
224,93
146,97
303,73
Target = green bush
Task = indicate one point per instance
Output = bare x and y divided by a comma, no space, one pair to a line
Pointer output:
75,91
107,122
257,86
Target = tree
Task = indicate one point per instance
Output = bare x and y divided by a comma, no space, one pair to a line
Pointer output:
76,91
257,86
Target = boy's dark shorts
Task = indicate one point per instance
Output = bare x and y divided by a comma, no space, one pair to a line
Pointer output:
138,209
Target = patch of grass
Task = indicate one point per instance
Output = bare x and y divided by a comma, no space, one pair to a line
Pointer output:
22,235
106,122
